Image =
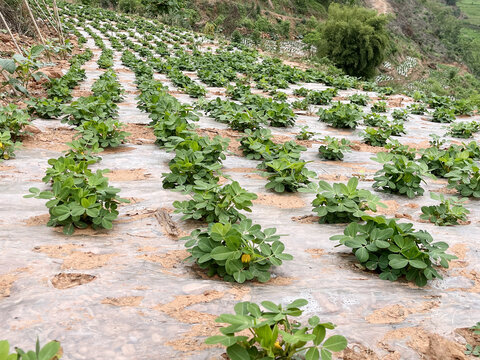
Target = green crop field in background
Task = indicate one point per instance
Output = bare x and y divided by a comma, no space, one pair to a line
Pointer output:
471,8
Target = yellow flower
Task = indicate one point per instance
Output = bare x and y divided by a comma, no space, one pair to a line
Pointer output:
277,345
6,156
1,145
246,258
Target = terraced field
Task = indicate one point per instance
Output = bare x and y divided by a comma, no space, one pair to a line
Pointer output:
216,135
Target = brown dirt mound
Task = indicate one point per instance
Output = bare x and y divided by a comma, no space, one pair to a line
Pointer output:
316,253
359,146
65,281
86,260
140,134
306,219
333,177
50,139
429,346
127,175
37,220
285,201
57,251
6,282
123,301
169,260
397,313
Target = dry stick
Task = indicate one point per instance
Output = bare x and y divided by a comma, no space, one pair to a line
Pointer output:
11,35
40,10
55,10
34,22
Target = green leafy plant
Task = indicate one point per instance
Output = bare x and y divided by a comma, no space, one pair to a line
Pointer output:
7,146
448,212
50,108
24,67
345,116
214,203
376,137
465,180
106,133
379,107
400,115
396,148
304,134
323,97
236,252
79,197
286,174
50,351
464,129
359,99
443,115
375,120
108,83
399,175
13,119
256,144
395,249
334,148
441,161
341,203
417,108
273,335
89,108
473,349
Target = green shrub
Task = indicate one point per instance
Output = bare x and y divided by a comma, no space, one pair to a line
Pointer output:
211,202
464,129
395,249
356,45
465,180
345,116
274,335
79,197
443,115
286,174
379,107
236,252
359,99
376,137
334,148
399,175
448,212
341,203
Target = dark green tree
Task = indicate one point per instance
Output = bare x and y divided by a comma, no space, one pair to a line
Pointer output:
354,38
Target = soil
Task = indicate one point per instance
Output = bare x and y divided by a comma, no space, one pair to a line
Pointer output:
37,220
169,260
139,134
306,219
57,251
397,313
359,146
50,139
431,346
127,174
316,253
69,280
285,201
86,260
6,282
123,301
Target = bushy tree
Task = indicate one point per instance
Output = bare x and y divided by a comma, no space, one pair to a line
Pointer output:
354,38
158,7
